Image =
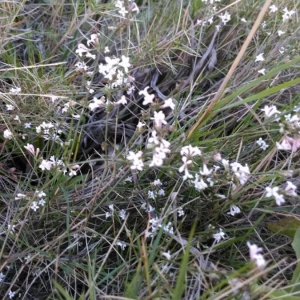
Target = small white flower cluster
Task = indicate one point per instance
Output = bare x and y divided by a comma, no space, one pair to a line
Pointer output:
290,128
49,131
256,256
115,70
262,144
155,224
59,165
156,142
278,193
37,197
122,212
187,154
82,49
160,148
122,11
15,91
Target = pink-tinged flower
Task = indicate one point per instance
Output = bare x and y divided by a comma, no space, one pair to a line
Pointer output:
46,165
159,119
289,144
255,256
32,150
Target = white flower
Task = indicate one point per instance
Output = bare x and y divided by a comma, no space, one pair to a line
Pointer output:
11,294
10,107
42,202
259,57
273,192
81,48
148,99
225,17
280,32
128,179
255,256
234,210
123,100
262,71
151,194
94,39
106,49
157,182
273,8
122,214
241,172
154,139
161,192
34,206
190,151
184,168
111,207
97,103
270,110
140,125
169,103
180,212
31,149
263,145
107,215
16,90
205,171
167,255
159,119
2,276
287,14
137,163
290,189
281,50
199,184
46,165
121,244
27,125
219,236
7,134
125,63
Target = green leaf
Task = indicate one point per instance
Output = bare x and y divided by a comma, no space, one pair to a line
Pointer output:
286,226
295,282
